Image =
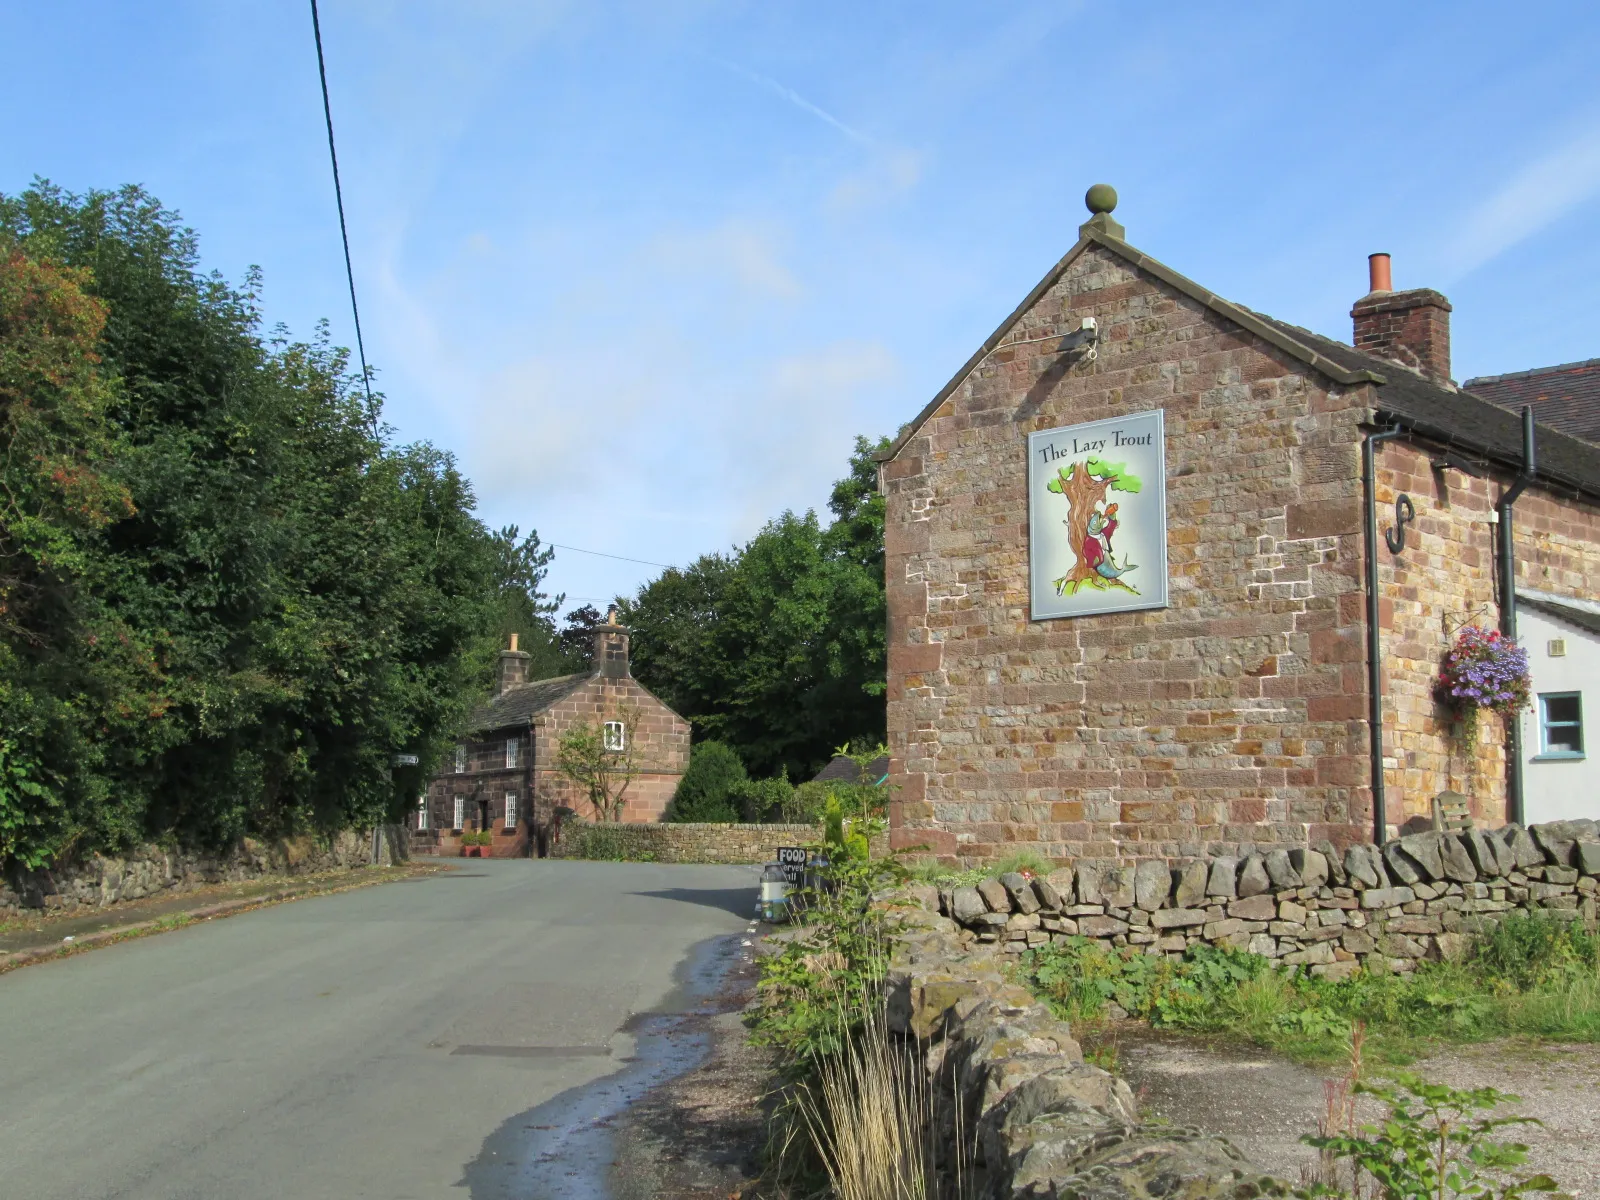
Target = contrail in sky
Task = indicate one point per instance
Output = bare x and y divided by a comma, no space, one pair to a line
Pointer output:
795,98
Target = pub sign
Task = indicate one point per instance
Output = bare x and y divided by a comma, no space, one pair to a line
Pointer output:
1097,517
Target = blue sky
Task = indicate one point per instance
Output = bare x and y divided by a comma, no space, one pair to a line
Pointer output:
646,269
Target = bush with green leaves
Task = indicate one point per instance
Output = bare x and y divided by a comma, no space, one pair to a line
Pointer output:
763,800
1432,1145
706,791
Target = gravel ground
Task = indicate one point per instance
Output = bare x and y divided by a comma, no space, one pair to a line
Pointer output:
700,1136
1264,1103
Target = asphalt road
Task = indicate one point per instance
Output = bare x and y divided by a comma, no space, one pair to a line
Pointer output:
366,1044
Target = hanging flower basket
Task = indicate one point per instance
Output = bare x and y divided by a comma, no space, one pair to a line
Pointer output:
1483,670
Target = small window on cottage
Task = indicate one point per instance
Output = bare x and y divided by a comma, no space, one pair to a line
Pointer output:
616,736
513,752
1561,724
422,812
461,813
511,810
461,759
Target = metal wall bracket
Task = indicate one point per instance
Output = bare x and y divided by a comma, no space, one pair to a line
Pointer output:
1404,513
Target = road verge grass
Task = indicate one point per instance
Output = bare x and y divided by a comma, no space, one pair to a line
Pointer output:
1531,975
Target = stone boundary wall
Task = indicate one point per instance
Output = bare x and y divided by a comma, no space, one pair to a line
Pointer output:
1417,897
1008,1079
102,881
691,842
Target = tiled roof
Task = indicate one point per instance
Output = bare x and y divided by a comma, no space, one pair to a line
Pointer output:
1461,417
517,705
1584,616
1565,397
1454,417
845,769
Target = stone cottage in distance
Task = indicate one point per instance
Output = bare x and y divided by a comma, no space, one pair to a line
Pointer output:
1238,701
503,777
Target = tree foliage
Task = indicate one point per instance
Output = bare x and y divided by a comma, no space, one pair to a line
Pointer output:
777,648
709,789
227,598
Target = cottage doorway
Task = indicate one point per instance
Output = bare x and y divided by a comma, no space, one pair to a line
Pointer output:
483,816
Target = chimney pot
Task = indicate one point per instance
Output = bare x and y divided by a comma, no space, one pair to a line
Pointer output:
513,641
1379,279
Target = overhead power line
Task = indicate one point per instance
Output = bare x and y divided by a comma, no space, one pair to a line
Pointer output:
338,195
618,557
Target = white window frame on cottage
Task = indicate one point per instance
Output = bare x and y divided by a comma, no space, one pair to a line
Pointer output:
511,810
422,813
461,760
513,753
615,735
461,813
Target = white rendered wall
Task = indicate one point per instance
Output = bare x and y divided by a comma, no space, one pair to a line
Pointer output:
1560,789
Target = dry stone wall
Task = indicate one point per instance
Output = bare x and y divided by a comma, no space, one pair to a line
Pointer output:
1009,1082
688,842
1418,897
149,871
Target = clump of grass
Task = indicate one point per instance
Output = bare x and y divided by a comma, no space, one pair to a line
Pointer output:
871,1114
1532,975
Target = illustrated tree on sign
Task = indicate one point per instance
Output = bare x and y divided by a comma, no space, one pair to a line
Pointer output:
598,765
1085,484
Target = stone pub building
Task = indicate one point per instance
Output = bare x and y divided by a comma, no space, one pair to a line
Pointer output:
1234,698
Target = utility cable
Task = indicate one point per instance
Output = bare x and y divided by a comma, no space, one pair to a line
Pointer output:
618,557
338,195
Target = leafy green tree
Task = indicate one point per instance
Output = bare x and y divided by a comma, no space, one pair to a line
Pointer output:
708,790
253,599
576,639
520,567
777,648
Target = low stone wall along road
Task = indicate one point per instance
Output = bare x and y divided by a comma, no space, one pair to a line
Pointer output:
376,1043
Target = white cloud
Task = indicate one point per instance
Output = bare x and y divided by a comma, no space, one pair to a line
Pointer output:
886,178
1538,195
738,250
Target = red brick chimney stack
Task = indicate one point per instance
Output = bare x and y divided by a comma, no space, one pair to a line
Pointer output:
1411,328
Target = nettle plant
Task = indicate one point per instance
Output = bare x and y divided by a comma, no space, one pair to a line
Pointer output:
1483,670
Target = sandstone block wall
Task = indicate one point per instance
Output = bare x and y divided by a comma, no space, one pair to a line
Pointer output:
1419,897
1236,714
693,842
1443,579
102,881
661,739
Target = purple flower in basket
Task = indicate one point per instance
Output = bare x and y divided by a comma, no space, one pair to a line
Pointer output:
1484,670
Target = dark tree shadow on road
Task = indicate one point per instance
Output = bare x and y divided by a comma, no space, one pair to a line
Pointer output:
741,902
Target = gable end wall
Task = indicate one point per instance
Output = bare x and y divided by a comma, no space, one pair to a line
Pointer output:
1236,714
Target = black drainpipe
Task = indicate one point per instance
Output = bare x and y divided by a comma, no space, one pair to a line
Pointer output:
1369,480
1508,608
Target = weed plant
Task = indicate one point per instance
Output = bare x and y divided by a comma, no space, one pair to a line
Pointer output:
1530,975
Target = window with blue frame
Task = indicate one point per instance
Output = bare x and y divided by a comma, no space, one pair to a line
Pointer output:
1561,725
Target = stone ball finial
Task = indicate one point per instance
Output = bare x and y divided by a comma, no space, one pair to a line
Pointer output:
1101,198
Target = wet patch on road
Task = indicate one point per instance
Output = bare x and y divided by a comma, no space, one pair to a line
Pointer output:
563,1149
